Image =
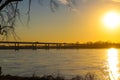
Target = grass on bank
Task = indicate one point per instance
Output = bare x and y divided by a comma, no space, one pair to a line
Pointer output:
88,76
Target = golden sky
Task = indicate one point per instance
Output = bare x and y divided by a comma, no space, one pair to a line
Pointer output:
83,23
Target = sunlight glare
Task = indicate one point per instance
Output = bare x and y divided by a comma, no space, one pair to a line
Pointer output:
111,20
112,63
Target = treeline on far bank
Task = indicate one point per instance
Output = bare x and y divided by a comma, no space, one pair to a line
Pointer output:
77,45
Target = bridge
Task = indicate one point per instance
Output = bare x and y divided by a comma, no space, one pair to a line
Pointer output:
47,45
32,45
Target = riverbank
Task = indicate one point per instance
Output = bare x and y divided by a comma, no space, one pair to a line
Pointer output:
8,45
88,76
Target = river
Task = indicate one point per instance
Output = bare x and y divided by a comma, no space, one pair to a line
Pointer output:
67,62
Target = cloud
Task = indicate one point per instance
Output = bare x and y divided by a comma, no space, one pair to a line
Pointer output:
63,1
102,0
116,0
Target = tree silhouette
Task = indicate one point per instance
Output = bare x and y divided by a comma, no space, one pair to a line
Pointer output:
10,10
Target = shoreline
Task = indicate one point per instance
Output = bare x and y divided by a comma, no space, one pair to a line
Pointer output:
87,76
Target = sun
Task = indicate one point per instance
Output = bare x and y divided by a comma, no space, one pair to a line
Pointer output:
111,19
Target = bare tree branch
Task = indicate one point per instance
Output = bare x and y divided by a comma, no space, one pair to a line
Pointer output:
7,2
10,11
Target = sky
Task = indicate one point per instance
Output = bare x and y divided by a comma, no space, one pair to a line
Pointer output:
82,23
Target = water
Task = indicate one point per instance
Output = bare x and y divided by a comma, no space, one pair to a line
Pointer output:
68,62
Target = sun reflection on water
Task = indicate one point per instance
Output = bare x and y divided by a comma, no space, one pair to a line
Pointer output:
112,64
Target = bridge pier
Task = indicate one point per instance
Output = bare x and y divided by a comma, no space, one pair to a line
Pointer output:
58,46
16,47
34,45
47,46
